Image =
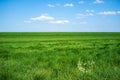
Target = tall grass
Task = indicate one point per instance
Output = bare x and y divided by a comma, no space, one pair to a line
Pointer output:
59,56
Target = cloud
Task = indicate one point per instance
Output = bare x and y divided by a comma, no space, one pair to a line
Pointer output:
118,12
90,11
59,22
98,2
84,15
43,17
68,5
81,2
50,5
46,18
109,13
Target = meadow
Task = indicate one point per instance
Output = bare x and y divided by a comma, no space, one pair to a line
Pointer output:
59,55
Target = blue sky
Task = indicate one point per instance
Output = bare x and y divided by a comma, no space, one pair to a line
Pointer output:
59,15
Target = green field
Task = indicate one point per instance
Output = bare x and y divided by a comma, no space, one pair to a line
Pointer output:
60,56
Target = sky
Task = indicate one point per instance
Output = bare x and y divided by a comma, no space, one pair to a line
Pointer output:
59,15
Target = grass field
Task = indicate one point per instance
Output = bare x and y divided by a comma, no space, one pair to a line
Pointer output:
60,56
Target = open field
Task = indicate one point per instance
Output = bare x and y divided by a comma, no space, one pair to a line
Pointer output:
60,56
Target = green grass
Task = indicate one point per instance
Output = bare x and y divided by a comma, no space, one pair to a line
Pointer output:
60,56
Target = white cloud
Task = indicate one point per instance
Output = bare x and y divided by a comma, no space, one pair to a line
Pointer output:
50,5
84,15
43,17
118,12
59,22
81,2
89,14
90,11
98,1
46,18
108,13
68,5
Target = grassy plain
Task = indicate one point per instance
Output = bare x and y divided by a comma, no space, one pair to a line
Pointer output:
59,56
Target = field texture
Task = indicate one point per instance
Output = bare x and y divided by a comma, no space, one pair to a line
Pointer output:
60,56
